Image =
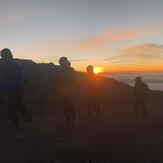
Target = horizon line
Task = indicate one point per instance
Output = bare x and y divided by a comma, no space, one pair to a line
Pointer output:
108,71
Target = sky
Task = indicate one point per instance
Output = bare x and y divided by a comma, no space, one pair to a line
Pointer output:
118,35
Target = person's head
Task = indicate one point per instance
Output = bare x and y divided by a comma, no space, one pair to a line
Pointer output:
138,80
63,61
90,69
6,55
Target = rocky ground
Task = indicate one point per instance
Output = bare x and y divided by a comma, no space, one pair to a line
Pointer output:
112,137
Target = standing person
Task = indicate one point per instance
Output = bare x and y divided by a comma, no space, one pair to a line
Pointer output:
92,93
66,90
141,92
13,84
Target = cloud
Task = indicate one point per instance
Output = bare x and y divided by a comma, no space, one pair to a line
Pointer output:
109,37
144,51
139,52
110,41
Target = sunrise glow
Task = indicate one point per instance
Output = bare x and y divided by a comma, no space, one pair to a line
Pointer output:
98,70
131,42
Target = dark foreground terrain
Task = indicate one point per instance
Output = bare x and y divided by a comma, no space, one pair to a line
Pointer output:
116,135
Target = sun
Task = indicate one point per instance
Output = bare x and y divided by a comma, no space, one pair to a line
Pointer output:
98,70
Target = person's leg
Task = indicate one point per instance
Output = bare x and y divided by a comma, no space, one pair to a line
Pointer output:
89,108
13,107
136,107
97,105
27,114
15,119
71,109
22,107
73,113
66,109
143,106
67,115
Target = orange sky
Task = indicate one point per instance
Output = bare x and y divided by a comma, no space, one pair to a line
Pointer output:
124,69
118,36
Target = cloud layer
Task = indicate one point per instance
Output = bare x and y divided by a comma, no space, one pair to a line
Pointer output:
109,37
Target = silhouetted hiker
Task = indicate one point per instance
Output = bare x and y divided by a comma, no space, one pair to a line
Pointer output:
13,84
67,82
141,92
92,100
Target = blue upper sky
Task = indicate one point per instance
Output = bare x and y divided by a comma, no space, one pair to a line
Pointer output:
115,34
